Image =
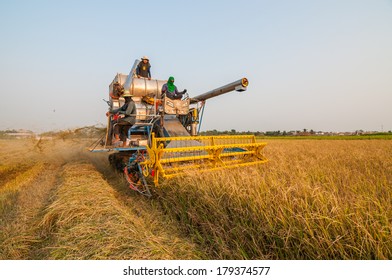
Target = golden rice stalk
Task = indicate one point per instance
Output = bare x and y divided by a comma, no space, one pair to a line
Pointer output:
313,200
87,221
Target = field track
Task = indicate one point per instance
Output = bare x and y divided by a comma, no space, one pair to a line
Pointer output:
59,206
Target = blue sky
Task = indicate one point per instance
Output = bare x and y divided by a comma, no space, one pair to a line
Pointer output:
321,65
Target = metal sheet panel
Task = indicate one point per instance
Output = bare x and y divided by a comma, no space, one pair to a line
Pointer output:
174,127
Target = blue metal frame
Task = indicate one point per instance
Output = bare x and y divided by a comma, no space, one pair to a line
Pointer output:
201,118
141,128
119,149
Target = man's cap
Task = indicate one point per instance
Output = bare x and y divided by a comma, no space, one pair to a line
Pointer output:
127,94
145,57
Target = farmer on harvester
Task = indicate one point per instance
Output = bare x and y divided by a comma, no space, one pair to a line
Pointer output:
123,124
171,91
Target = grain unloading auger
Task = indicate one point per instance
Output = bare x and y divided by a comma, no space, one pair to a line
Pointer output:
164,141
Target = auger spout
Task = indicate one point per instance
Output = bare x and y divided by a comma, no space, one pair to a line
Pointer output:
131,75
239,85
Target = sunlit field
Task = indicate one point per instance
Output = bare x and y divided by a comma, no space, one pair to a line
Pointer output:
314,199
56,203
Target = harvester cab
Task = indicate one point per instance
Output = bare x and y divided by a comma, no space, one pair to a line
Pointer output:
164,141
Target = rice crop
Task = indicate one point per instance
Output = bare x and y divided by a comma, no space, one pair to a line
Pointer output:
86,221
55,205
12,187
313,200
19,231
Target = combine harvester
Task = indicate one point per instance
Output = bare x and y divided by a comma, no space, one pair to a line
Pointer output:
164,141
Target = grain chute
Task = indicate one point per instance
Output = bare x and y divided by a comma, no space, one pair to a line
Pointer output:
164,141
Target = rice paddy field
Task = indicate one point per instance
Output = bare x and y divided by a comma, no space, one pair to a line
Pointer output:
314,199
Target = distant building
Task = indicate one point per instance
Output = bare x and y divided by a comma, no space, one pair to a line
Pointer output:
20,134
